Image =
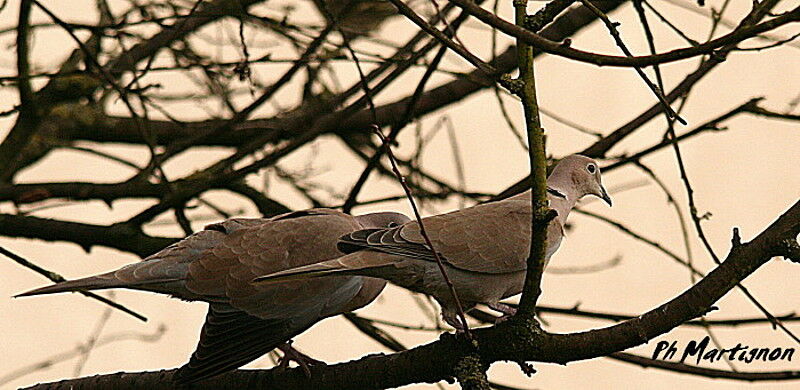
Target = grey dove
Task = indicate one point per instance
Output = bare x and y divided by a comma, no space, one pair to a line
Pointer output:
218,264
484,248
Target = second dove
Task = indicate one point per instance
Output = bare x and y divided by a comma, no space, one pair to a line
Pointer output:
484,248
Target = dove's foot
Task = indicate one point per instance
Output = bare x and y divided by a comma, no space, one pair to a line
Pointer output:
507,310
454,320
290,354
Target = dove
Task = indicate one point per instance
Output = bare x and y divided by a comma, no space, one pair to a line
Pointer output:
244,320
484,248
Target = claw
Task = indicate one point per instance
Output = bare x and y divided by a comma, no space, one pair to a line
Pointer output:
452,319
291,354
508,311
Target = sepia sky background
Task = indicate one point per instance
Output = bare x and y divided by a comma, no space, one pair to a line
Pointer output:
745,177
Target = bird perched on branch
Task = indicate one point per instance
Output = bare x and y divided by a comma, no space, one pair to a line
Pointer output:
245,320
484,248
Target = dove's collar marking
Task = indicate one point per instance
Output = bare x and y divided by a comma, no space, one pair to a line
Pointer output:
556,193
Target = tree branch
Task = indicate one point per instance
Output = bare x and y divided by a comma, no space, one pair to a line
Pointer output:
557,48
117,236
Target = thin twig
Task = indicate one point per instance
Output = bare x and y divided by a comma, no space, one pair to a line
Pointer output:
612,29
91,342
657,70
443,38
78,350
561,49
643,239
720,20
424,233
670,24
711,125
375,159
457,160
585,269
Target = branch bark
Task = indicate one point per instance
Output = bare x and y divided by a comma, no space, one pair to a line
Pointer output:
118,236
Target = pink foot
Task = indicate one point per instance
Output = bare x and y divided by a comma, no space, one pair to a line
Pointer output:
453,319
508,311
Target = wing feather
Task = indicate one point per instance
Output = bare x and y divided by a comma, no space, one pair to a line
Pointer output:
287,241
490,238
231,338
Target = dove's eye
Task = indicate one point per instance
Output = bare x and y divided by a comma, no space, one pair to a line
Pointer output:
591,168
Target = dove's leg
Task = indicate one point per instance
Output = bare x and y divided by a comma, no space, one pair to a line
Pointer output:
508,311
452,319
291,354
503,308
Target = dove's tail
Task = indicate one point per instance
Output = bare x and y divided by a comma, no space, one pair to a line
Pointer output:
358,263
152,275
91,283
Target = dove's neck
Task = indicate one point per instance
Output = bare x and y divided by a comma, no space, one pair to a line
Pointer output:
561,200
562,194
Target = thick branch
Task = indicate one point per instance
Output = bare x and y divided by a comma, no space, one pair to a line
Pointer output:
537,160
617,317
107,192
118,129
557,48
118,236
740,263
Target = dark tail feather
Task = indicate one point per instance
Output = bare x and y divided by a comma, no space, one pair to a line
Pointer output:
90,283
358,263
300,273
153,275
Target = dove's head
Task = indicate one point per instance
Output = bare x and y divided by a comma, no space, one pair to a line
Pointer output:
579,175
381,220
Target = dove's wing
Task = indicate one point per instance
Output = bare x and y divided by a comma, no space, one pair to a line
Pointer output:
251,320
287,241
490,238
231,338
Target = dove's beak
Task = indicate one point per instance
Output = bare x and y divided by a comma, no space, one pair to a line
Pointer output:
604,195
